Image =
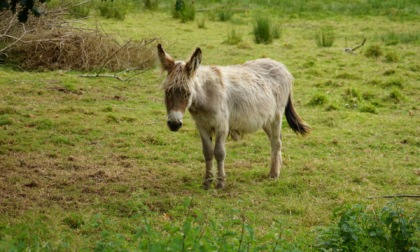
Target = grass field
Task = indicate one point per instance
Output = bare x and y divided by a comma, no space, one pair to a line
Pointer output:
89,164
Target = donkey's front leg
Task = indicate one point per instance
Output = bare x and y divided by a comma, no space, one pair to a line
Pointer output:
220,153
208,156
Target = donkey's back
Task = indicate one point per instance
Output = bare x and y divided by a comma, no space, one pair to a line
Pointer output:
256,92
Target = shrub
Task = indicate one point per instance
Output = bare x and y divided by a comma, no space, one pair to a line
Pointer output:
263,33
361,229
373,51
325,37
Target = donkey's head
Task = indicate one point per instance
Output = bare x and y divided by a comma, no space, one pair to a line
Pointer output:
178,85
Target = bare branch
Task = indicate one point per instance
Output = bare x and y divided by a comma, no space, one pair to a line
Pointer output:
396,196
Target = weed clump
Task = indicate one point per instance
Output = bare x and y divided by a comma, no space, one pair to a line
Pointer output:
151,4
234,37
396,83
225,14
318,100
368,109
112,10
352,95
264,32
373,51
396,96
325,37
201,23
391,57
184,11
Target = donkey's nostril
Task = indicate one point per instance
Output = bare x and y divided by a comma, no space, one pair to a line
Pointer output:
174,125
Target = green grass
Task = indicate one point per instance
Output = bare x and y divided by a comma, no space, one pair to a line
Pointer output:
89,164
325,37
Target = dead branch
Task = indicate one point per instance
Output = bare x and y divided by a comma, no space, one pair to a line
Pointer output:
396,196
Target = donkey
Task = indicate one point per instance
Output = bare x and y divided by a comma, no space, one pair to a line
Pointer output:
234,100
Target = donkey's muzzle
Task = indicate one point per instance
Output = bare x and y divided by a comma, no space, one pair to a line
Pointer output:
174,125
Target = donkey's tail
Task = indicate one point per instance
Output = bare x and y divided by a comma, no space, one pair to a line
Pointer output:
297,124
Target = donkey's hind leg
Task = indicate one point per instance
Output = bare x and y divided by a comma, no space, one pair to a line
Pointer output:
208,153
273,132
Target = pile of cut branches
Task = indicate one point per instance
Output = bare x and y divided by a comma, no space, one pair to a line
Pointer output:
52,42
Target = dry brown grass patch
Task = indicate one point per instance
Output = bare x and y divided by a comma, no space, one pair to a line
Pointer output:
50,42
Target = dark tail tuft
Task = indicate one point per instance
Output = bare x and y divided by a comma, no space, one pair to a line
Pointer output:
295,122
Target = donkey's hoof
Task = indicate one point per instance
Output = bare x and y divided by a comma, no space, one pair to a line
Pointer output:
273,175
207,184
220,184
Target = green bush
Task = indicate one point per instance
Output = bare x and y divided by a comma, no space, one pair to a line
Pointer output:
361,229
325,37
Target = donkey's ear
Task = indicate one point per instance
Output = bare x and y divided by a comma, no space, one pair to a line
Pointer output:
165,59
192,65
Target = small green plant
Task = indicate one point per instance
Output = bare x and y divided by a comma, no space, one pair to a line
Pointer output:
112,10
201,23
184,11
224,14
396,96
391,57
368,109
351,95
373,51
234,37
325,37
151,4
79,10
263,31
318,100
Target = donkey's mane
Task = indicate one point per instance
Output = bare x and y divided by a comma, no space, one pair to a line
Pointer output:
177,78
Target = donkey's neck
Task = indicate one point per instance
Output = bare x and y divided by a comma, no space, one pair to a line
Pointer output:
207,86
